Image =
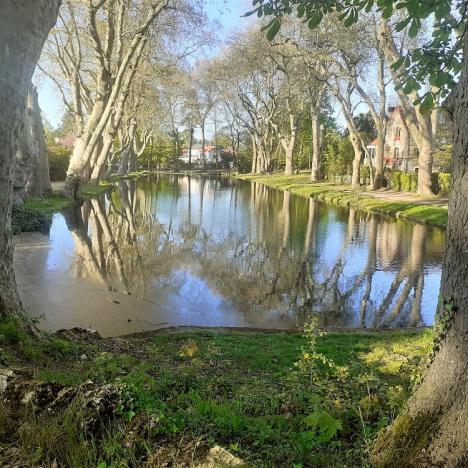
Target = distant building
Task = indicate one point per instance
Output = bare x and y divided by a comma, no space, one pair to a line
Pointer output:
212,153
400,151
68,141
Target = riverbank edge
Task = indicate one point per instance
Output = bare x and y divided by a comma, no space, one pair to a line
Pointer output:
35,215
335,194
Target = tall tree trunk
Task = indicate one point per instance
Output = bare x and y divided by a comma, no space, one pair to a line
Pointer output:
289,169
315,175
190,147
203,144
24,26
376,182
39,178
431,430
254,155
356,175
425,161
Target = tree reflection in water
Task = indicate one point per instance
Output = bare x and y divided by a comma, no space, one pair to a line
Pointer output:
265,251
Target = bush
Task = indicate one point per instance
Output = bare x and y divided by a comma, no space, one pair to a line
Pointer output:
404,181
24,219
443,182
59,159
364,174
408,182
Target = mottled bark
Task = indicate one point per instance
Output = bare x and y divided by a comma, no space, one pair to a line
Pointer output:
356,175
315,174
38,180
432,430
253,170
24,26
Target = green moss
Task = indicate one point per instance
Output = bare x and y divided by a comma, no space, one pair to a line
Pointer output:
346,195
404,442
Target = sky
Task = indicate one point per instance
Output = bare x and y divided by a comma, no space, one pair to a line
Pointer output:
227,12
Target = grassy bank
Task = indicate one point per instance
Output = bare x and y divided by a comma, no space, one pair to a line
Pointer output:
346,195
36,213
270,399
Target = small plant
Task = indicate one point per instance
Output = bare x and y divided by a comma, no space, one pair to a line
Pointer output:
11,332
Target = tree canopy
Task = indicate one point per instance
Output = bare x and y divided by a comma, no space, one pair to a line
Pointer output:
437,62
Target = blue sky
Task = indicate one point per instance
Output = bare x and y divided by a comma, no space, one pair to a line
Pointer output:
227,12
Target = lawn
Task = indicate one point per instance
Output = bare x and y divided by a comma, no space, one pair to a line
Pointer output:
341,194
269,398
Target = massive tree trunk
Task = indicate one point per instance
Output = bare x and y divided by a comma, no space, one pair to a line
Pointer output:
24,26
431,430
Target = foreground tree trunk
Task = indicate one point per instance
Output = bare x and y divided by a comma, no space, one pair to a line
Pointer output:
432,430
24,26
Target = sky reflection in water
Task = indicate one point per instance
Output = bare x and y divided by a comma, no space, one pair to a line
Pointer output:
171,250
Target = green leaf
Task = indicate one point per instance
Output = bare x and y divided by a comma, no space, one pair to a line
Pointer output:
274,29
427,103
324,424
413,29
315,19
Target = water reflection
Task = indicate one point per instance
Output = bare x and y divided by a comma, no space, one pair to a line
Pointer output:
224,252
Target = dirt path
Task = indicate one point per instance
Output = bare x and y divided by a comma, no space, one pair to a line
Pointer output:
58,186
408,197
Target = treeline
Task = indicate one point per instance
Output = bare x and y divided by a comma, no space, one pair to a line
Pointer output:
137,93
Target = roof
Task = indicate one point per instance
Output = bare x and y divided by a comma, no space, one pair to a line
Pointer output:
198,146
68,141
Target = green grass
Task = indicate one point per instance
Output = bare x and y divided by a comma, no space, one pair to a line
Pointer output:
50,203
91,191
272,399
36,214
345,195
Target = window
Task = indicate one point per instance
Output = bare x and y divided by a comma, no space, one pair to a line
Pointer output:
396,154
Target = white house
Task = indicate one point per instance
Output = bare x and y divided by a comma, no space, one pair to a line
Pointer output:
197,155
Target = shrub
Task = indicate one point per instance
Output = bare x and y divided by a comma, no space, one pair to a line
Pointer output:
24,219
395,180
404,181
443,182
59,159
364,174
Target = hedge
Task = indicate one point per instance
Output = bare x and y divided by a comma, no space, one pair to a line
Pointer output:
408,181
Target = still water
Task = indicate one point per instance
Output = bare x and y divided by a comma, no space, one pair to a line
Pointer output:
175,250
